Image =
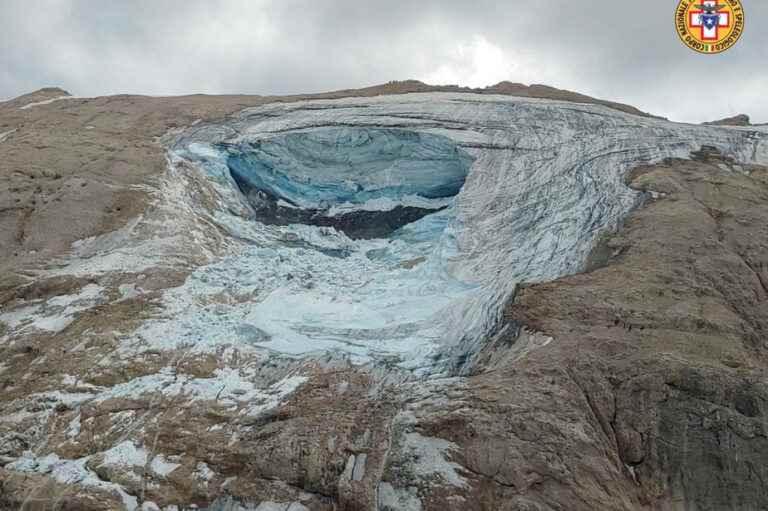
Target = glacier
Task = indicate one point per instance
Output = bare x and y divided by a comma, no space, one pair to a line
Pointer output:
394,229
333,166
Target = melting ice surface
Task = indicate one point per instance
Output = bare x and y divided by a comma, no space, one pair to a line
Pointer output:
396,227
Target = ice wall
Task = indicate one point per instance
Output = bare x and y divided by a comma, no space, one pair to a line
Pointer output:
335,166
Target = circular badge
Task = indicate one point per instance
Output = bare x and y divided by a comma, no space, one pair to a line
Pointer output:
709,26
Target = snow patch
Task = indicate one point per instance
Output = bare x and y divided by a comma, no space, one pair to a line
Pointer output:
129,456
55,314
228,386
203,473
73,430
128,291
400,499
68,379
429,458
45,102
6,134
125,454
71,472
162,467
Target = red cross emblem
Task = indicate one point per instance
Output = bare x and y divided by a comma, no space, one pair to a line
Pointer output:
710,31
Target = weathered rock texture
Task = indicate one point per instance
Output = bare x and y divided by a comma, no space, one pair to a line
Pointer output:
659,355
639,383
736,120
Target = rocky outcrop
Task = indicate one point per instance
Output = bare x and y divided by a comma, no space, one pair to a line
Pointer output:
664,345
507,88
547,92
622,366
736,120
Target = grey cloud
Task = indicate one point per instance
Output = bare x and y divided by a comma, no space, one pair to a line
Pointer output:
625,51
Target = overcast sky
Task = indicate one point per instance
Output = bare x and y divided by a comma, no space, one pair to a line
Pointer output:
624,50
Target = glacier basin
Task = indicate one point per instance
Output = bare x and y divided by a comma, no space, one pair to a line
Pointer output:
350,236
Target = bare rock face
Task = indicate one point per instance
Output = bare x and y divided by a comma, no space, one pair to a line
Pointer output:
663,354
572,315
547,92
736,120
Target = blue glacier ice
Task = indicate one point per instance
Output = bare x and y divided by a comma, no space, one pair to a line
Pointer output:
329,167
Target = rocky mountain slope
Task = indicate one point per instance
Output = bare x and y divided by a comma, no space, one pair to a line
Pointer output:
401,297
736,120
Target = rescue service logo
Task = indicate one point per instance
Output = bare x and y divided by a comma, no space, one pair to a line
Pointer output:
709,26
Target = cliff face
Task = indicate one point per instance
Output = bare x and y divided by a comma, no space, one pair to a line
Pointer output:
417,301
660,350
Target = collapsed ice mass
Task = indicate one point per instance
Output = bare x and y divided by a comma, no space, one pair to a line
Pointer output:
365,182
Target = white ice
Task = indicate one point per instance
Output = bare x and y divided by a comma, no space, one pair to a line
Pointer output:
45,102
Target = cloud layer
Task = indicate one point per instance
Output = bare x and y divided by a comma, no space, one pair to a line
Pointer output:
624,51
